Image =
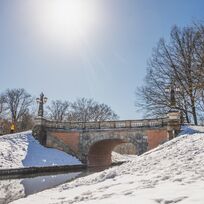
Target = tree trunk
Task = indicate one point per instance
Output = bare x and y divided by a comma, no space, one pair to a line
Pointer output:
193,110
194,115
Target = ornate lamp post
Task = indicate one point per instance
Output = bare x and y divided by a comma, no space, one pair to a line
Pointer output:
172,89
41,101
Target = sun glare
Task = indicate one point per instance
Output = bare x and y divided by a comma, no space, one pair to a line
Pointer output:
65,21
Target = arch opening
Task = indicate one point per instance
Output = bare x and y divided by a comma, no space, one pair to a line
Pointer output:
126,148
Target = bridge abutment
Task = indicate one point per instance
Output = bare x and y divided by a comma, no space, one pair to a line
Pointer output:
39,130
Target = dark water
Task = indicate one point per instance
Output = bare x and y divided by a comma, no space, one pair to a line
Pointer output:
40,183
13,189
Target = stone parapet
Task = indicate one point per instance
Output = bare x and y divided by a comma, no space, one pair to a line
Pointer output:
103,124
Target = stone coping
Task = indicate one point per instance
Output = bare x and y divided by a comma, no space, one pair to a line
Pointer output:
120,124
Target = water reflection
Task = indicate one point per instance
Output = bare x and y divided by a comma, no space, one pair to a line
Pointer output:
40,183
14,189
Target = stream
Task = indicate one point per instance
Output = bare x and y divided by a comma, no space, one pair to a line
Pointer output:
13,189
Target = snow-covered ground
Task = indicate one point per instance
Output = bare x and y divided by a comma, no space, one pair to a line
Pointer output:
116,157
171,173
190,129
11,190
22,150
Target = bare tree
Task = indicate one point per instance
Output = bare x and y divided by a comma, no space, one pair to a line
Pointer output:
89,110
180,63
58,110
26,122
103,112
2,105
18,102
200,67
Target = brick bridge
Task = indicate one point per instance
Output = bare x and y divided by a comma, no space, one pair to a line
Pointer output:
93,142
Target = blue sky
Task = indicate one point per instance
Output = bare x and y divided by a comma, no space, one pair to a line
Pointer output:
98,50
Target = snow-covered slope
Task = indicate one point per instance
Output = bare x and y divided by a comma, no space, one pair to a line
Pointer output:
171,173
11,190
22,150
191,129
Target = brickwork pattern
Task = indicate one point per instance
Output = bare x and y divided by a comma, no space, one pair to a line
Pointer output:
156,137
71,139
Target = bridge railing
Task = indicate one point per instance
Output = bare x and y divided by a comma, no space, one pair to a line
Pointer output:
106,124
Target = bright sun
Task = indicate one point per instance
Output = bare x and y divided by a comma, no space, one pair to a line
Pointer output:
64,21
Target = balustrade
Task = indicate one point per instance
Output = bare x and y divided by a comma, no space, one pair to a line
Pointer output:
105,124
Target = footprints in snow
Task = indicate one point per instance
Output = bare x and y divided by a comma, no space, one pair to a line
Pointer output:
175,200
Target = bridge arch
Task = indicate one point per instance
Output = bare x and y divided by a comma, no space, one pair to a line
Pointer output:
99,148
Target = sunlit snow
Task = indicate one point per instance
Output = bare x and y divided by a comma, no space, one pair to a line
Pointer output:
171,173
22,150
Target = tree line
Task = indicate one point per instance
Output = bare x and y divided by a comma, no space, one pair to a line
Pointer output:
18,107
177,63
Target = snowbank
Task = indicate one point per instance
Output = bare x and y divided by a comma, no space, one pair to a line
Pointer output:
171,173
22,150
116,157
191,129
11,190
